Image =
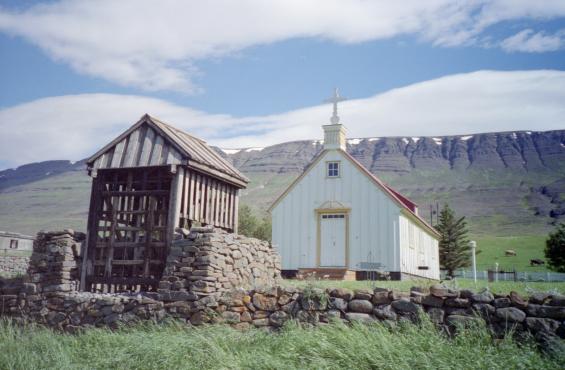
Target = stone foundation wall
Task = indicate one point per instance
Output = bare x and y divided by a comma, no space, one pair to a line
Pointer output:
13,265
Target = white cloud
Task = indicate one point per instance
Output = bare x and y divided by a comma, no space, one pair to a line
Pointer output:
154,45
73,127
530,41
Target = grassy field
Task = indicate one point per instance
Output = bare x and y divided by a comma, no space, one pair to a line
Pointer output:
334,346
503,287
526,246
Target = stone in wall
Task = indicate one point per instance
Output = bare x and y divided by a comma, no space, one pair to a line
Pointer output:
13,265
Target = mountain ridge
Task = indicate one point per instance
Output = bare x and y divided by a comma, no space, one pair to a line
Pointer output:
503,182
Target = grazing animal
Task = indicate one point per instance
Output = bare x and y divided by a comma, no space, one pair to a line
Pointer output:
536,262
510,252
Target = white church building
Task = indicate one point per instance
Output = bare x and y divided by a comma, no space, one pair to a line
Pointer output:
337,217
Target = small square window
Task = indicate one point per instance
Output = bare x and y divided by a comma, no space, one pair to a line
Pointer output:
13,244
333,169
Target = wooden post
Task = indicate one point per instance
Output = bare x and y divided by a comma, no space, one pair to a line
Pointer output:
236,212
174,205
91,233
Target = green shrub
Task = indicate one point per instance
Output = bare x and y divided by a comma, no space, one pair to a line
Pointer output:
555,249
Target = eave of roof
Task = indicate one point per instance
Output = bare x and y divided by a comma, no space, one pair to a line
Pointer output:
188,145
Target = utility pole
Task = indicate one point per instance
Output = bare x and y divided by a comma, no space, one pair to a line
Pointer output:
473,248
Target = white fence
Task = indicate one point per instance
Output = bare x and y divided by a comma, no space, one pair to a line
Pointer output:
509,276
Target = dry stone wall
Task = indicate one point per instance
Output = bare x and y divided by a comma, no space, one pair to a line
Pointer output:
205,261
241,297
13,265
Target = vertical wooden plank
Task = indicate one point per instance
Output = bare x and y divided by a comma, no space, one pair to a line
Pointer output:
229,223
197,192
221,208
155,159
226,206
185,194
149,222
203,198
173,157
110,247
236,212
164,153
91,234
217,206
131,152
118,154
147,146
211,202
191,202
174,205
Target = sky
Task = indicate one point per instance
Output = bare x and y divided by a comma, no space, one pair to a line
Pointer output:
252,73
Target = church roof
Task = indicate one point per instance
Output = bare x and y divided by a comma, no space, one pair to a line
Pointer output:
405,203
152,142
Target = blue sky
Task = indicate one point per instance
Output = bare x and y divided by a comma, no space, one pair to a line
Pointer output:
256,74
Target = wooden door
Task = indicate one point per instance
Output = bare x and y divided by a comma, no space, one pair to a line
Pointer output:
332,240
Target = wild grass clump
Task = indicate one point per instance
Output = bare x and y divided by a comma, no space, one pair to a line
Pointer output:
334,346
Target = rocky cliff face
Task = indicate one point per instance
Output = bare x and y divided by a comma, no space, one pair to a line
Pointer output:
505,183
517,151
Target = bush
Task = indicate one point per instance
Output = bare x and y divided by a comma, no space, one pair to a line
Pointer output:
555,249
250,226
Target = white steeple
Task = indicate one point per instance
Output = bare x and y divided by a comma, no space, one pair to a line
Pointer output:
334,133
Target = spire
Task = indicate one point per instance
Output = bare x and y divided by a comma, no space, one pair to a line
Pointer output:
334,133
335,98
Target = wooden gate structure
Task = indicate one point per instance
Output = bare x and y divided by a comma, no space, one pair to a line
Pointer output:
145,183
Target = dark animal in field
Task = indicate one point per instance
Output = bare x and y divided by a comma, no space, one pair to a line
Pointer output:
536,262
510,252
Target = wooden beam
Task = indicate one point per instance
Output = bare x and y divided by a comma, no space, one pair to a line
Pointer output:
191,202
174,205
236,212
197,192
118,151
147,146
91,233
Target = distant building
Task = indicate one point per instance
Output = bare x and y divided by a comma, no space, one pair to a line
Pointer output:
338,219
15,242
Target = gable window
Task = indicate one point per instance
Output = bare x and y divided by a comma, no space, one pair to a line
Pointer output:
13,244
332,169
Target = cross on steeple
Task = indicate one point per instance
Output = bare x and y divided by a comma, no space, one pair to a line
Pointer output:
335,99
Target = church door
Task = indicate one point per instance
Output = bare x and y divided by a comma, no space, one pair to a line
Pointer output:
332,242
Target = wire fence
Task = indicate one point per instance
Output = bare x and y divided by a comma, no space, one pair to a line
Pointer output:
545,276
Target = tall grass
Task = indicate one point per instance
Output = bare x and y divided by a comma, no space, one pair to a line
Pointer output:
334,346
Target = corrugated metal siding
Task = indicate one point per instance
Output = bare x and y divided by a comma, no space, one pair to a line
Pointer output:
417,248
142,147
373,219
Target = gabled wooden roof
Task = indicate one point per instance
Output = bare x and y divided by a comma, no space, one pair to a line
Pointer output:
406,205
152,142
